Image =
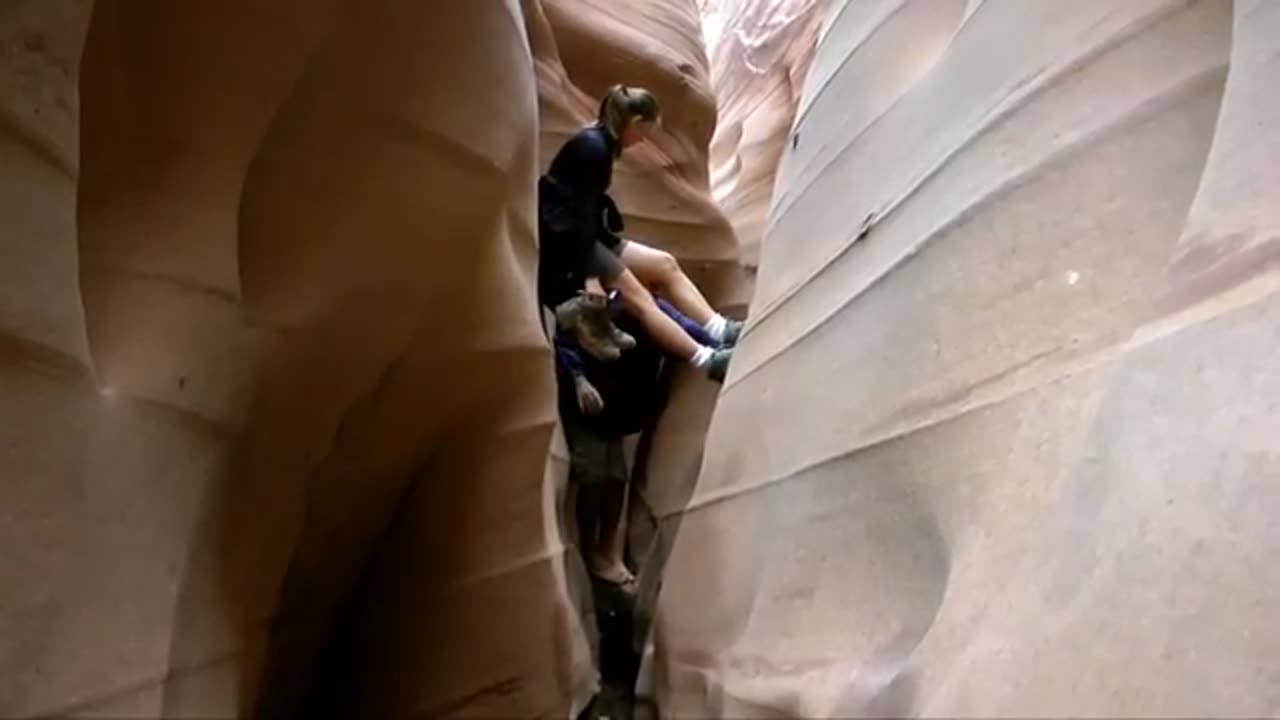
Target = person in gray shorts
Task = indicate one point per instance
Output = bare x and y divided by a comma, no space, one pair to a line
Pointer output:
581,255
601,403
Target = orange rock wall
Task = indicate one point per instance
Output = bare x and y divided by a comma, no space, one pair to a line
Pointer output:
287,359
273,350
1013,454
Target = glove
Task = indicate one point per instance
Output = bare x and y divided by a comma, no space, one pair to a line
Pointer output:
589,400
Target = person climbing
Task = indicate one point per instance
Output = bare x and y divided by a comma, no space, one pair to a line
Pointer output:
602,402
580,253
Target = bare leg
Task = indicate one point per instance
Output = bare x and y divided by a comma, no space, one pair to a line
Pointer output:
662,329
660,270
607,552
586,506
599,513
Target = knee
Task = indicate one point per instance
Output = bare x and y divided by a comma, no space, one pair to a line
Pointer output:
666,268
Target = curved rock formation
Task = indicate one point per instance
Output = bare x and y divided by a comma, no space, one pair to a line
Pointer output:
760,55
292,358
1014,453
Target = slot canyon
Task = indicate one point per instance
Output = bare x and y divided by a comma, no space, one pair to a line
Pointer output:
278,431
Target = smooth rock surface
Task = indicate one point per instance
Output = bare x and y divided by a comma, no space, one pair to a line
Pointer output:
284,387
760,53
1015,453
278,407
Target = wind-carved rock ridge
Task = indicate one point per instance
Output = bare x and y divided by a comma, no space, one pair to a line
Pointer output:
1036,392
305,250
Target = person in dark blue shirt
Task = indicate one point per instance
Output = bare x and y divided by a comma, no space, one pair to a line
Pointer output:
580,250
572,364
602,402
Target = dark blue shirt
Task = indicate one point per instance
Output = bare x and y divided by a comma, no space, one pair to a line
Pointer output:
575,212
585,164
627,385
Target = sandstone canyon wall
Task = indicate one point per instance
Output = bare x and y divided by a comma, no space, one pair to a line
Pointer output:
760,55
281,385
1015,453
276,396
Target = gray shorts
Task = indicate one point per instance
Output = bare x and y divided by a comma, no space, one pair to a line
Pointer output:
594,459
605,262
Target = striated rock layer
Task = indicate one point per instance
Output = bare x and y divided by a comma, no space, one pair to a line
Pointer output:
1014,454
285,388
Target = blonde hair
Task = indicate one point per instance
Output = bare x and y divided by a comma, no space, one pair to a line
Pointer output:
622,105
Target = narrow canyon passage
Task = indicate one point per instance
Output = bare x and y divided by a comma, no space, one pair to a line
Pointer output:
279,408
277,412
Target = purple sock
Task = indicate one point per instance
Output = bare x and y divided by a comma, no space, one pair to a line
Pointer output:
695,331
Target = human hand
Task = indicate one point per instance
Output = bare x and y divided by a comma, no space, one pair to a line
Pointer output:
589,400
593,292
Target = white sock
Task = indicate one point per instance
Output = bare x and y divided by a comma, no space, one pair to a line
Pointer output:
716,327
701,357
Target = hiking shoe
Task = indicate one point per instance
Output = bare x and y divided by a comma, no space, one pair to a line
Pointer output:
582,316
600,319
732,331
623,340
718,366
